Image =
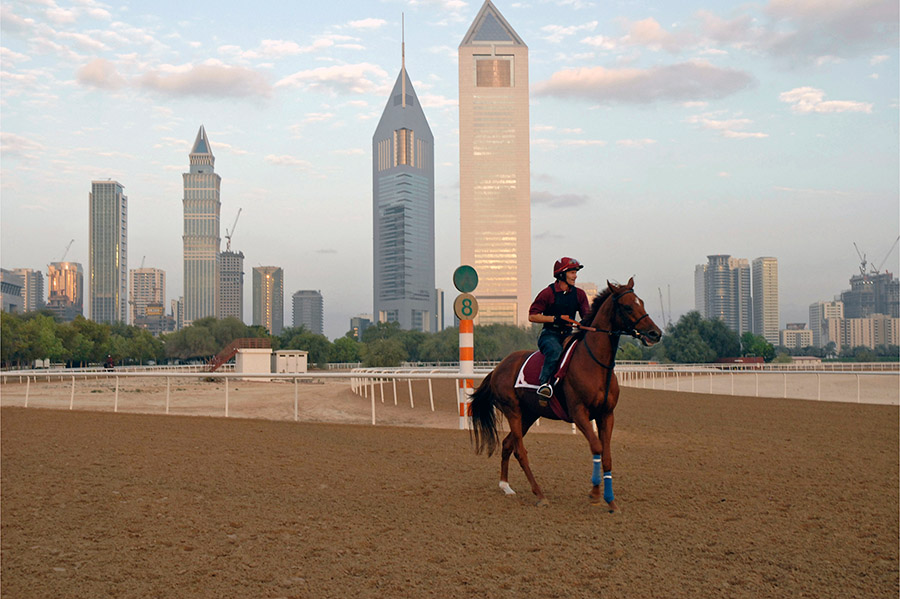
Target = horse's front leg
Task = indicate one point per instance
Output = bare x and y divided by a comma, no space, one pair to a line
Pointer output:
605,427
599,450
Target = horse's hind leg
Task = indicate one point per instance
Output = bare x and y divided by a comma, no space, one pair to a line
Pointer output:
514,443
509,445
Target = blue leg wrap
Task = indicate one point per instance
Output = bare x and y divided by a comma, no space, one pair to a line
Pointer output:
598,466
607,487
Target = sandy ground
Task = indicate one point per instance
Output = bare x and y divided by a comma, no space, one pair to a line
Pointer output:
719,496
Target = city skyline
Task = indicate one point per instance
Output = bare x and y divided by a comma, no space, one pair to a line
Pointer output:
660,134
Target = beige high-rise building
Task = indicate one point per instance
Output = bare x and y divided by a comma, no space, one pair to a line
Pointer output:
765,299
494,169
268,298
146,286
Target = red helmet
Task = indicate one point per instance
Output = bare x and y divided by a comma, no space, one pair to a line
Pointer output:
565,264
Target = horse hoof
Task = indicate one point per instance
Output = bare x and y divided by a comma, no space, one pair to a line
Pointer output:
507,490
613,508
543,502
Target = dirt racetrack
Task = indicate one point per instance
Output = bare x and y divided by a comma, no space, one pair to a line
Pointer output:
719,497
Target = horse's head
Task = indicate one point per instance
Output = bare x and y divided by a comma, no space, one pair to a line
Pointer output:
629,314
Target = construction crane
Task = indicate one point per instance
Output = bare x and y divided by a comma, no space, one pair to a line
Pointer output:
66,251
662,307
142,260
862,260
228,233
878,270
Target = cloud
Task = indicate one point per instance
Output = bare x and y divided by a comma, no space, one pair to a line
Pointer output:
100,73
437,101
274,49
13,23
18,146
211,80
600,41
563,200
367,23
805,100
878,59
635,143
556,33
340,79
650,34
730,128
286,160
696,80
10,58
806,30
84,41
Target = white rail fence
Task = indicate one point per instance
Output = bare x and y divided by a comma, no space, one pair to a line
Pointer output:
381,385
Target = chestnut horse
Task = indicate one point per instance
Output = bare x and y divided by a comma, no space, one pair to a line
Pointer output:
589,391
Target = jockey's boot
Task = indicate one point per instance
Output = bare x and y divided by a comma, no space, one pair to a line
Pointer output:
545,392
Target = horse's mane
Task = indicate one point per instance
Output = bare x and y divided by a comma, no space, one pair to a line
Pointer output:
598,301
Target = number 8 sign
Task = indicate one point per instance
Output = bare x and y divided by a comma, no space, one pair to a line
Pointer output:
465,306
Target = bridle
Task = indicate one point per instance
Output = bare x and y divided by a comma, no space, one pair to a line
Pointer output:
614,336
633,332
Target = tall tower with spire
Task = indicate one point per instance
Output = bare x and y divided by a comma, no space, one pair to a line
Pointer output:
403,211
201,232
494,169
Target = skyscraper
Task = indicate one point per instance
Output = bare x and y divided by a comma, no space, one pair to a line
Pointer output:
403,211
494,170
309,310
66,284
268,298
108,247
32,288
146,286
728,294
231,285
765,299
201,232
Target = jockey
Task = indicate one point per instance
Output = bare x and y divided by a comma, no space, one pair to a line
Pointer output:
556,300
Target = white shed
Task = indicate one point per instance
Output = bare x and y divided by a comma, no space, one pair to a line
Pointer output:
290,361
253,361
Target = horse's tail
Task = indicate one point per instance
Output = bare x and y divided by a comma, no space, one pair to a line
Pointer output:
484,418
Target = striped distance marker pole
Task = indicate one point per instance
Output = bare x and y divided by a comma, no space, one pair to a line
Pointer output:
465,279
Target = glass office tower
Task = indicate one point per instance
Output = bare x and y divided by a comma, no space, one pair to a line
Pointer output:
403,212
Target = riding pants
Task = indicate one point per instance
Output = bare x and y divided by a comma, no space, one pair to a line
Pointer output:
551,345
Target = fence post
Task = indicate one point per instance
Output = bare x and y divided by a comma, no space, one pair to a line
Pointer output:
430,395
27,388
394,385
411,404
72,396
116,403
373,402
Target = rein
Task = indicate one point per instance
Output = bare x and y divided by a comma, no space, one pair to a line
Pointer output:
614,337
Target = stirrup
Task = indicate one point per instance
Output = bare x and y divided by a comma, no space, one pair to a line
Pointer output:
545,390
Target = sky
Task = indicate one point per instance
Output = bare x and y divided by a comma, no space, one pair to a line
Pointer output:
661,133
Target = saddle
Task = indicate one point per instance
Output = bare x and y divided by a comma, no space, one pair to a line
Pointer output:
530,374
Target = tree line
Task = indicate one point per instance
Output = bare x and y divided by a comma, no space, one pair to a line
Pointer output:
37,336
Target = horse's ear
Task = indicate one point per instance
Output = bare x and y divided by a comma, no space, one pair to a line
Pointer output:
630,284
610,285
